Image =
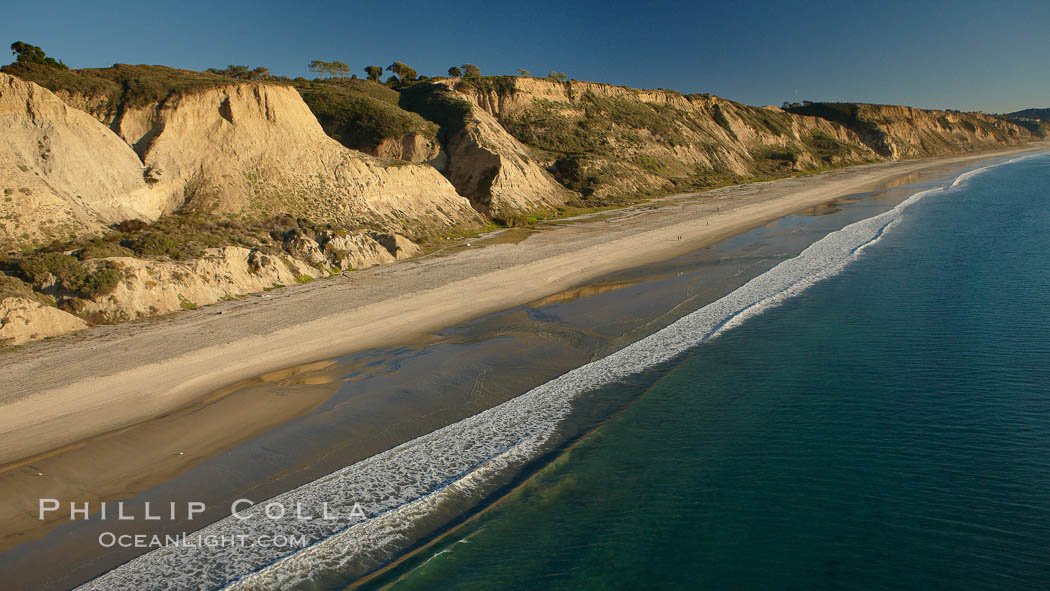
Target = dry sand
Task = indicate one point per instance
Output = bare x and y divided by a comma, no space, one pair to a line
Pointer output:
63,390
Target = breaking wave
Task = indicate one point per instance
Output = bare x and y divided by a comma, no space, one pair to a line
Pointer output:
451,469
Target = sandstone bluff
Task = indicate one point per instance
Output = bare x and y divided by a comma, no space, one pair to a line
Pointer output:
98,188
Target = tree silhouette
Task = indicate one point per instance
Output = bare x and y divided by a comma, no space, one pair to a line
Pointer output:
403,72
26,54
321,68
243,72
237,71
455,72
374,72
340,68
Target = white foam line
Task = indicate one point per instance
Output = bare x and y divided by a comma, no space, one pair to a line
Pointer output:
455,466
962,178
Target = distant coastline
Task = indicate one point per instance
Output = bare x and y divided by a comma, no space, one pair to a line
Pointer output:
135,191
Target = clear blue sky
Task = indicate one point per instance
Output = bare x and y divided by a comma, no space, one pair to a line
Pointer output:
992,56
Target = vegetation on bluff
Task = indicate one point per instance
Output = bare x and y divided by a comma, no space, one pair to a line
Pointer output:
13,287
71,270
244,72
121,85
595,125
616,147
31,55
70,275
501,85
847,115
437,104
361,113
931,132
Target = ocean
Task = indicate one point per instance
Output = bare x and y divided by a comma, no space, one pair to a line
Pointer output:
887,428
871,413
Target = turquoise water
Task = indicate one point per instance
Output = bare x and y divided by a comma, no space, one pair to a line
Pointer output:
889,428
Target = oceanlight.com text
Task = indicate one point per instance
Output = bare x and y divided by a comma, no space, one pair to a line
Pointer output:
111,540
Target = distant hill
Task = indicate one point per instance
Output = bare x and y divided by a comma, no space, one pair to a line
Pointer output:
1036,121
1040,114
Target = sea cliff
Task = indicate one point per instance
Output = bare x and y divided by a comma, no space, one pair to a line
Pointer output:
138,190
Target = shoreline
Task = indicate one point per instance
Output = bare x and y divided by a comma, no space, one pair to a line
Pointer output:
440,475
84,385
727,405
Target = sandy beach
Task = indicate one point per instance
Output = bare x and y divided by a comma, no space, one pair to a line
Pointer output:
63,390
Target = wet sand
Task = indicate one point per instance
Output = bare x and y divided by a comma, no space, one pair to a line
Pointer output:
120,464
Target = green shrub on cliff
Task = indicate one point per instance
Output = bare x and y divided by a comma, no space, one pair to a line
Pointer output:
603,122
544,126
67,270
578,174
826,148
121,84
161,244
720,118
181,237
13,287
70,274
847,114
436,103
73,81
151,84
500,85
101,282
360,114
99,248
779,124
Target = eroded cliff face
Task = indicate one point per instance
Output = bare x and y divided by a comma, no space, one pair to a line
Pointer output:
256,150
497,173
612,142
605,140
895,132
507,147
411,147
25,319
249,150
240,151
154,287
916,133
62,174
150,286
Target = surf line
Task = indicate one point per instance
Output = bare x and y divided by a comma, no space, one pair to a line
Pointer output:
461,460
